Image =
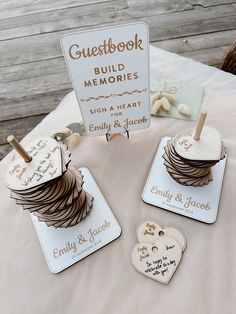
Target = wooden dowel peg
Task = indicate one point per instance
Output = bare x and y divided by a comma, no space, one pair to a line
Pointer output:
19,148
200,125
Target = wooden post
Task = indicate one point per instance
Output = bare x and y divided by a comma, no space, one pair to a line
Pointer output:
19,148
200,125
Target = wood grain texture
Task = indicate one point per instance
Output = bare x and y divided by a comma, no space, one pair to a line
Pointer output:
19,125
33,75
30,106
15,8
197,42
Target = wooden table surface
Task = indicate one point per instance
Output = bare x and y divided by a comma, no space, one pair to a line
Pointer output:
33,75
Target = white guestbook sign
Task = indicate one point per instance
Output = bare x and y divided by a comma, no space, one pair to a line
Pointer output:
109,70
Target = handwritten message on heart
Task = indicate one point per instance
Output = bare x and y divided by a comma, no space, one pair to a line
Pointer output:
159,260
45,165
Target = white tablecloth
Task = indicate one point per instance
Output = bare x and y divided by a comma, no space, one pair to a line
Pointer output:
106,282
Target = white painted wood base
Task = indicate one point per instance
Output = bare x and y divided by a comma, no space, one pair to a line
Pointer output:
64,247
200,203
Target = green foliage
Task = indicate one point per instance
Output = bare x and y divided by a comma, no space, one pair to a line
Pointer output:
76,127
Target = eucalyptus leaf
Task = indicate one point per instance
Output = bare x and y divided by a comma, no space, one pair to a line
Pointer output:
77,127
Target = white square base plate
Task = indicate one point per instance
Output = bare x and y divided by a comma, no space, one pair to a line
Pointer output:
200,203
63,247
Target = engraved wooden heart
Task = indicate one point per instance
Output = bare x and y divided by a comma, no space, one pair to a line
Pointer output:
159,260
45,165
150,231
208,147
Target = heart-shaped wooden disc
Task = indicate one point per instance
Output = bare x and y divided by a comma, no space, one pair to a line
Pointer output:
45,165
159,260
208,147
150,231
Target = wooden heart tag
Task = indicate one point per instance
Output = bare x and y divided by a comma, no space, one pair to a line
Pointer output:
46,164
201,143
157,261
209,147
150,231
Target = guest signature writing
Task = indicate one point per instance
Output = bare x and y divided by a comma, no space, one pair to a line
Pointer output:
159,266
45,153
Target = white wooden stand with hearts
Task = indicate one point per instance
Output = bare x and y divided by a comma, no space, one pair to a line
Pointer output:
200,203
63,247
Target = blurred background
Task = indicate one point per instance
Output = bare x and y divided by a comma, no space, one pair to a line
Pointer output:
33,75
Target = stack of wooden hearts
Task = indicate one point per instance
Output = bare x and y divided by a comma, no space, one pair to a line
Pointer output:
158,252
42,183
191,154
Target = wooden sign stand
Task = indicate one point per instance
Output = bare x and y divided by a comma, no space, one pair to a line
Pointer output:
113,92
